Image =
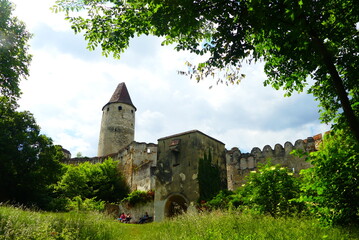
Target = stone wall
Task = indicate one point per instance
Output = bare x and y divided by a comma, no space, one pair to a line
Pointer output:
137,211
117,128
240,164
137,162
177,170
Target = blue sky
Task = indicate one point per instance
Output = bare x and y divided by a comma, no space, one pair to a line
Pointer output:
68,86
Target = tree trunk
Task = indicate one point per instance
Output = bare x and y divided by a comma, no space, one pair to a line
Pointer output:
349,114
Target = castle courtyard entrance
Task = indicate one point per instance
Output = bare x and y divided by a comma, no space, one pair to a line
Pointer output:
176,204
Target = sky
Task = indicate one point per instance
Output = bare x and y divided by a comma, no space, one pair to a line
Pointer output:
68,86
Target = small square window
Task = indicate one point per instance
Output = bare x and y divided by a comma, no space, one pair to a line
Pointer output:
119,108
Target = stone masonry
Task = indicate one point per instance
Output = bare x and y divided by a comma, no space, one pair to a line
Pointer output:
170,167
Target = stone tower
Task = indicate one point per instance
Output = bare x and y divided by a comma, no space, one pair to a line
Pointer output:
118,122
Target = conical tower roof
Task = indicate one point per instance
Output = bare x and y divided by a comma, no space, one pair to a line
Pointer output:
121,95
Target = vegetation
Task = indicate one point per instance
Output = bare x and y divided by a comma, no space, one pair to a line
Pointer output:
22,224
138,197
29,162
209,179
331,187
269,190
296,39
14,56
88,185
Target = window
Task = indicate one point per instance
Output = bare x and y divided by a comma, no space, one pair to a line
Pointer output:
108,109
119,108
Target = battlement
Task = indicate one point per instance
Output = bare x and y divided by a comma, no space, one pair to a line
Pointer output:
240,164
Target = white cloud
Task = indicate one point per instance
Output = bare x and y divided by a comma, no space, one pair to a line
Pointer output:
68,86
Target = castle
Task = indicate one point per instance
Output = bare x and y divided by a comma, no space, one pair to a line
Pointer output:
171,167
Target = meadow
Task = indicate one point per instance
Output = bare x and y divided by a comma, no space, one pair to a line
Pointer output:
17,223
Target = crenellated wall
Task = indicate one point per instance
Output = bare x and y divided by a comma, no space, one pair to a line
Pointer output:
240,164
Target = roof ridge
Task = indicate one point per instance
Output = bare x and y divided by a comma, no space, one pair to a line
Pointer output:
120,95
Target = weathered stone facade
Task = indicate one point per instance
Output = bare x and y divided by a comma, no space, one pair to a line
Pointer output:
118,122
240,164
177,185
137,162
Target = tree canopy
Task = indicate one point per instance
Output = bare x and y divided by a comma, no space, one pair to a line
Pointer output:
14,56
297,40
29,162
102,181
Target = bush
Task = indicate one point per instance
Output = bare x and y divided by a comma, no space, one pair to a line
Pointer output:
225,199
272,190
331,187
138,197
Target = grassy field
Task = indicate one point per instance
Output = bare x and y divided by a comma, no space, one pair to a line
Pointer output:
21,224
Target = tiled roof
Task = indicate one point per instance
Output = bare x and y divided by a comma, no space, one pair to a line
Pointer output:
121,95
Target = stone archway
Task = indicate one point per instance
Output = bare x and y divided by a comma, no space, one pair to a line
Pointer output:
176,204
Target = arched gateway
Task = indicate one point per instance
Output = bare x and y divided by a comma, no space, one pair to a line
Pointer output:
177,186
176,204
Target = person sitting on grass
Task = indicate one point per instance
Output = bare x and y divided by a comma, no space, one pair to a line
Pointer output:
144,218
122,217
128,218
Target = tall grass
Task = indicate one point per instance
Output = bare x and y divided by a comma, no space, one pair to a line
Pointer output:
17,223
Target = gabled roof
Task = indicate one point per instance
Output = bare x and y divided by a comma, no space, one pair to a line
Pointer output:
121,95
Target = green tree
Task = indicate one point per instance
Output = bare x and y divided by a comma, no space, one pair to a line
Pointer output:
29,162
271,190
14,56
102,181
296,39
331,187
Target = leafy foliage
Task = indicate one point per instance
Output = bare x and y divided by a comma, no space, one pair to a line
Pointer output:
29,162
14,56
296,39
209,179
138,197
331,187
101,181
271,190
225,199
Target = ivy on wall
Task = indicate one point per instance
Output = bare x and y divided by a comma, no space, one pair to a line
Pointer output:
208,178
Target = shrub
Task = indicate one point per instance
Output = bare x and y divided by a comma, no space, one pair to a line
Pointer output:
331,187
138,197
225,199
273,190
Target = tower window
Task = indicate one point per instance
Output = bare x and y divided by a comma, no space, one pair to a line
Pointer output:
119,108
132,111
108,109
